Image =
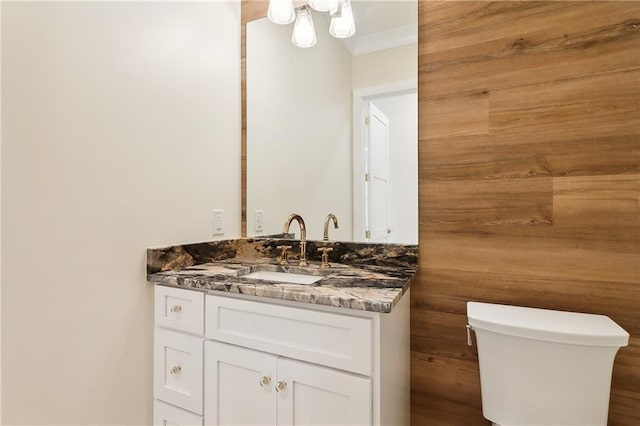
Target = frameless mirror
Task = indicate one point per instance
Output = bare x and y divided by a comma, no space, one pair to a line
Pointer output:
333,128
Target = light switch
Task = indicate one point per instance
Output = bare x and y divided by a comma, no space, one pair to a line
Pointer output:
217,222
258,221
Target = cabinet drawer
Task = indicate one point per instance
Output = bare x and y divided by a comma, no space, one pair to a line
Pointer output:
165,414
179,309
338,341
178,369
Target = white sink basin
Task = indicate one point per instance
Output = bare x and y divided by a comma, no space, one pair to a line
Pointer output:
283,277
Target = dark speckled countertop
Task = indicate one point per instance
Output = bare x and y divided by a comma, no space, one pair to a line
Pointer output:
375,278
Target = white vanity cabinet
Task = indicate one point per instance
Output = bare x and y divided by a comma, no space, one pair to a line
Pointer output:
272,362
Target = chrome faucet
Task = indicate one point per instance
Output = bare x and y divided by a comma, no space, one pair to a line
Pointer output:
326,225
303,236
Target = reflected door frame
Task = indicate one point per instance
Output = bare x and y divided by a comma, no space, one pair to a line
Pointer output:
360,97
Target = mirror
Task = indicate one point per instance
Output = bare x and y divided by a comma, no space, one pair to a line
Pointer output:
333,128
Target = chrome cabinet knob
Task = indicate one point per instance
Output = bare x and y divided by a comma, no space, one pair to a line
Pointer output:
281,386
176,370
265,381
176,308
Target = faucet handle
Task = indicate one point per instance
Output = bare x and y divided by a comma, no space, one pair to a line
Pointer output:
283,259
325,256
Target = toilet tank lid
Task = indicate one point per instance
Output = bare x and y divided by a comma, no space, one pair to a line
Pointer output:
547,325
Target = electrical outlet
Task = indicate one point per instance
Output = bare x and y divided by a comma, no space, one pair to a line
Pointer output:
258,221
217,222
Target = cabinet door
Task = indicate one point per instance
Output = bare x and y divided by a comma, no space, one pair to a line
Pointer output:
316,395
239,386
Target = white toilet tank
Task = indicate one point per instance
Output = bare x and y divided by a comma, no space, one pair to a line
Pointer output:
543,367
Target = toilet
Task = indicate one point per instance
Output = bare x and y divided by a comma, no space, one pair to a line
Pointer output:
542,367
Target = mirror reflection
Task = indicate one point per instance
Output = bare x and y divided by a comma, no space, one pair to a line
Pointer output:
333,128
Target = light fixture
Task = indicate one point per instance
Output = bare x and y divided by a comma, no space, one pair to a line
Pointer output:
281,11
342,24
323,5
304,33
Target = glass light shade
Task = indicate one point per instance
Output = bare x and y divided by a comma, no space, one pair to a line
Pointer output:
304,34
342,24
323,5
281,11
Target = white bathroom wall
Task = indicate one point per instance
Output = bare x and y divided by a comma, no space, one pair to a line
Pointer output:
120,131
386,66
402,112
298,130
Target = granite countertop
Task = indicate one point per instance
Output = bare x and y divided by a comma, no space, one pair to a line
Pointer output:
375,279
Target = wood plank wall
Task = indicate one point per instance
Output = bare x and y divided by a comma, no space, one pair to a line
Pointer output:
529,160
529,181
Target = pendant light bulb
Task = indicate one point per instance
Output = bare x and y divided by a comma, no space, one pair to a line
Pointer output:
281,11
304,34
323,5
342,24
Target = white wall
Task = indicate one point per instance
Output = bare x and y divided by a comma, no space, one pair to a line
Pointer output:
298,130
120,131
402,112
386,66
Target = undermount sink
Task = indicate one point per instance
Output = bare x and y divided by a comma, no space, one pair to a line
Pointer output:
283,277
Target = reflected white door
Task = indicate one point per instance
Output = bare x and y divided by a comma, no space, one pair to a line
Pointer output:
376,174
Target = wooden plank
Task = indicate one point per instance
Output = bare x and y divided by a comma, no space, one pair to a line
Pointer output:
502,156
487,202
610,239
446,29
606,205
512,45
530,256
601,202
459,115
605,105
474,23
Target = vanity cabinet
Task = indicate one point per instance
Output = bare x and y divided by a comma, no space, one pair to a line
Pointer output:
237,360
